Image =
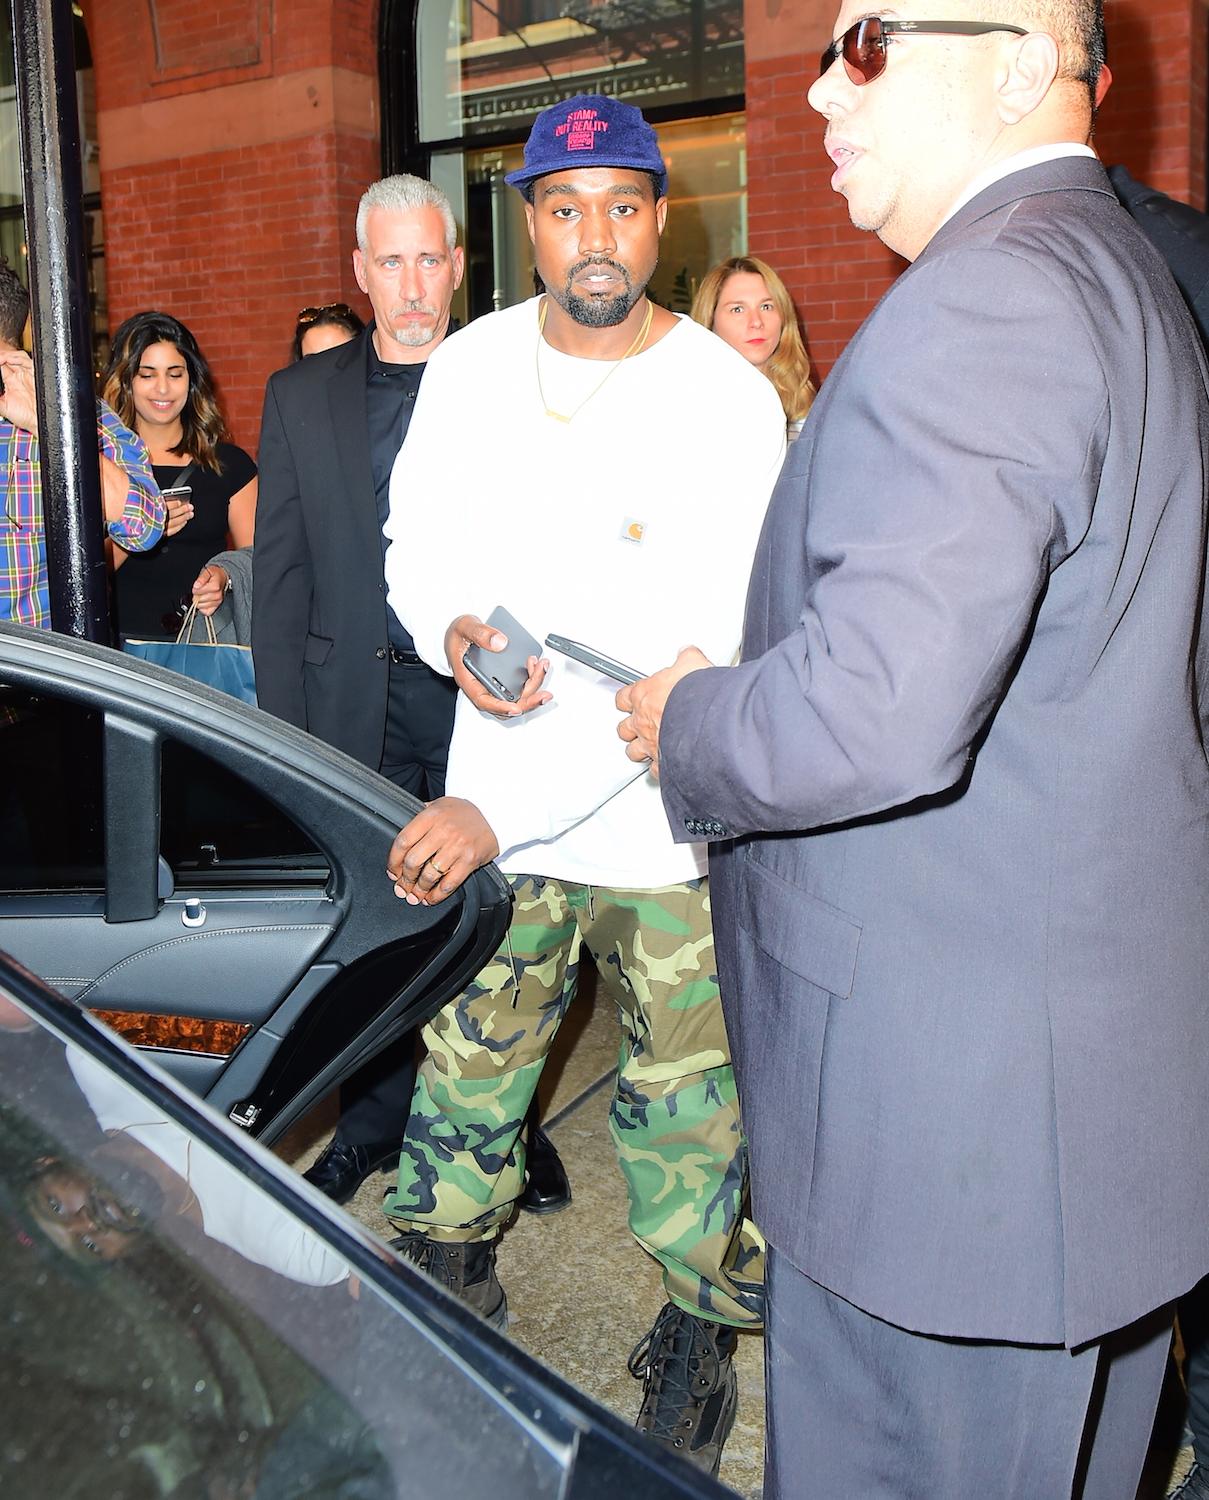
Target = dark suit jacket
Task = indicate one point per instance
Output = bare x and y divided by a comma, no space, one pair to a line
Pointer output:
319,633
964,932
1181,234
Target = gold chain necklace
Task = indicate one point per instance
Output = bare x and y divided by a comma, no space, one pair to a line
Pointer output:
634,348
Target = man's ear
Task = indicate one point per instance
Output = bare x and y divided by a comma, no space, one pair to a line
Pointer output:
1031,68
459,266
661,213
529,221
359,270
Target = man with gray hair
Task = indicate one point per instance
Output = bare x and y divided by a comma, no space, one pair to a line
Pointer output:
330,657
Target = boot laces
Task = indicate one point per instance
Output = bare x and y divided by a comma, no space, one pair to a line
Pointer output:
681,1367
428,1255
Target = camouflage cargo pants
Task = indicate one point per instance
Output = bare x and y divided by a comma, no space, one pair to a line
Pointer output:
674,1116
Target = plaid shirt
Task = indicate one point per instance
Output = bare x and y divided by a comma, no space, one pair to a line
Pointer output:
24,589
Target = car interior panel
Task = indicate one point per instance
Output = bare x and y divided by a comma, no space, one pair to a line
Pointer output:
213,881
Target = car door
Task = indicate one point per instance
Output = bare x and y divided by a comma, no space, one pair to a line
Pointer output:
183,1317
211,882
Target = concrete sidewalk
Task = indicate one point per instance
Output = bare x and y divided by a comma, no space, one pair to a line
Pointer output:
580,1291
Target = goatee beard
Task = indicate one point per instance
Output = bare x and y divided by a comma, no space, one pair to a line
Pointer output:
598,312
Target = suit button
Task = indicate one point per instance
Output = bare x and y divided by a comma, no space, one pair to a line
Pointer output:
690,825
380,653
716,828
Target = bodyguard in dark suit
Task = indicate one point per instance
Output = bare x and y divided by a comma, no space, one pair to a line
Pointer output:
1180,233
330,657
959,788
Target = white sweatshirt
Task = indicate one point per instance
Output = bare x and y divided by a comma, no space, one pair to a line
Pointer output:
631,528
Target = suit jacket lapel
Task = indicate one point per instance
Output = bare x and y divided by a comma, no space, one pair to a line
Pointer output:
1063,174
350,424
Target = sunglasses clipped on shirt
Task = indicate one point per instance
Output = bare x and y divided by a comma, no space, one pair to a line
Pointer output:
864,45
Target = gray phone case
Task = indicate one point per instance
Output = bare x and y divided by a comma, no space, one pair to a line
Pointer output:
503,673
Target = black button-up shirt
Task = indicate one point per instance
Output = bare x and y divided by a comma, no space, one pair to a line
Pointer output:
390,397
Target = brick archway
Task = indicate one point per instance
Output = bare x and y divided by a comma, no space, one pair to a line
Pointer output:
234,148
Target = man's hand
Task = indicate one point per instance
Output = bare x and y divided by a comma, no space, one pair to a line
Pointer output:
19,403
644,703
209,587
438,849
180,513
469,630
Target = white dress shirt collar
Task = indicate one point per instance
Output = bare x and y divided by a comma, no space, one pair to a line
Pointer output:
1033,157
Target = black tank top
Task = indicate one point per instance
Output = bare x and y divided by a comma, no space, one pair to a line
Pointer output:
154,588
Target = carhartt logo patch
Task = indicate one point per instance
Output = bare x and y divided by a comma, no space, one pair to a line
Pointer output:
578,131
632,530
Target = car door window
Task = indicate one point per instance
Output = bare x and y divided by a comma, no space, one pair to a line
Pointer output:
175,1329
214,826
51,802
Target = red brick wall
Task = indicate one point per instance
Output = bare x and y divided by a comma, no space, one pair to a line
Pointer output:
1154,118
236,138
235,142
796,223
238,242
1154,121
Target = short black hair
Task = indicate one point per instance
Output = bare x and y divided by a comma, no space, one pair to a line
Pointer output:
1079,28
14,305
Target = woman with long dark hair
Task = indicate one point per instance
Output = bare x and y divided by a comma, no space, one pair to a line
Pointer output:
160,385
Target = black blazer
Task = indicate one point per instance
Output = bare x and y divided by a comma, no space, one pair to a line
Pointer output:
1181,235
319,637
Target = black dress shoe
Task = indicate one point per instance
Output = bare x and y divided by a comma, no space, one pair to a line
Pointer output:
546,1186
341,1169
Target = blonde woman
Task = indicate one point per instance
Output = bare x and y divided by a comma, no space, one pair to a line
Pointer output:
746,304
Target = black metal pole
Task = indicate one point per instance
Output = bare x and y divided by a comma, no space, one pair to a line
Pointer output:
49,132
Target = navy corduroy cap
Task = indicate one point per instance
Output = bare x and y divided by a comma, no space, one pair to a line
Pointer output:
590,130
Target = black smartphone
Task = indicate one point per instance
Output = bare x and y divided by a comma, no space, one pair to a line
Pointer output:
504,673
577,651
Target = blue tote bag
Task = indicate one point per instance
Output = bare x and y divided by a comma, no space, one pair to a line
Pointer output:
227,668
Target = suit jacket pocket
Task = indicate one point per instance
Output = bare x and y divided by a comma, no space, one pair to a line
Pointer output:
795,958
816,941
317,650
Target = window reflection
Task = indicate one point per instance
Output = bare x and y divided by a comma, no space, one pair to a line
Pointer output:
484,70
490,66
173,1332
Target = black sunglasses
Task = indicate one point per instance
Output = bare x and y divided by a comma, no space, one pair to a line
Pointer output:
312,314
864,45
